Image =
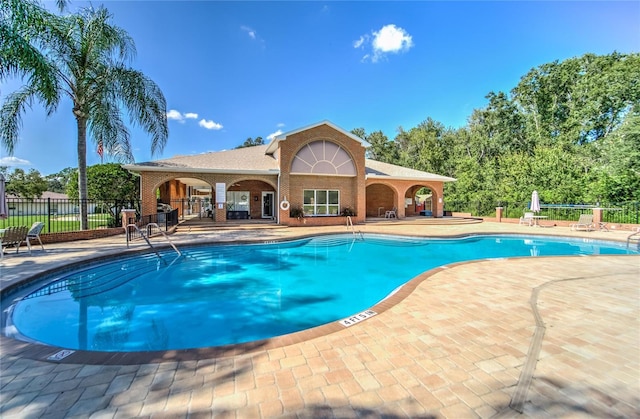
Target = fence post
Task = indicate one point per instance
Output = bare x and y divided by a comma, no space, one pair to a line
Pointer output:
128,217
49,215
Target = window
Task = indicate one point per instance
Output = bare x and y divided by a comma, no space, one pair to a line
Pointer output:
321,202
323,157
237,201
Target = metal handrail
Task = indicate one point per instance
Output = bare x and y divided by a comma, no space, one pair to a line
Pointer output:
634,236
164,234
350,224
145,235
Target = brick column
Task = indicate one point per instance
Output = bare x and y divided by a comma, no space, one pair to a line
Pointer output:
499,214
128,217
597,215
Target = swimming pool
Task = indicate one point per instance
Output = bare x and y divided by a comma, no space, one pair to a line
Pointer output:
224,294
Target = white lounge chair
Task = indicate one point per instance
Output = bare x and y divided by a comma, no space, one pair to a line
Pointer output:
527,219
14,236
391,214
34,233
585,222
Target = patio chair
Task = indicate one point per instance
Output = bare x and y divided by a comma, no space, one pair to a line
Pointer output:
14,236
34,233
527,218
391,214
585,222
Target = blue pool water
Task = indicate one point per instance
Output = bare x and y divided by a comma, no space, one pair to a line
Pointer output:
224,294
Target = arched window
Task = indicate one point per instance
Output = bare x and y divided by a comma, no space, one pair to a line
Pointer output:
324,158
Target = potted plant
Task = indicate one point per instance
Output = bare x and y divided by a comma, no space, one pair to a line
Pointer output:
348,212
296,211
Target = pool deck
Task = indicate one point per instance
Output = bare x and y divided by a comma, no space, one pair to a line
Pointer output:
545,336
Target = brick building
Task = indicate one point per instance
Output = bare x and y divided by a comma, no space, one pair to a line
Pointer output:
320,170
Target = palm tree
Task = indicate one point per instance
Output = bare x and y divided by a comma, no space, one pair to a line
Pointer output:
89,56
24,27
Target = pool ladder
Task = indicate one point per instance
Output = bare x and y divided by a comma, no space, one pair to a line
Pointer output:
145,235
634,237
350,224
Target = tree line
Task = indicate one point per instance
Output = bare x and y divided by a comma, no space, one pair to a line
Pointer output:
570,130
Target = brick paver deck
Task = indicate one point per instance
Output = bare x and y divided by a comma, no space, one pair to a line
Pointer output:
454,343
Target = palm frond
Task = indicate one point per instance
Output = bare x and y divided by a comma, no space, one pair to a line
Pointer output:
145,102
11,116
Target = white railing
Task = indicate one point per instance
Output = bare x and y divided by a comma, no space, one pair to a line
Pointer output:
145,235
350,225
634,237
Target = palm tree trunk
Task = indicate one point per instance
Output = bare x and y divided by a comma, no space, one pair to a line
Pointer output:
82,171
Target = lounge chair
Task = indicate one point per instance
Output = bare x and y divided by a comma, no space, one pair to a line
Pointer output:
34,233
527,219
585,222
391,214
14,236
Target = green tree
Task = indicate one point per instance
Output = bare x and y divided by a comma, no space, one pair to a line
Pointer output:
90,57
382,149
424,147
618,175
57,182
28,185
109,183
250,142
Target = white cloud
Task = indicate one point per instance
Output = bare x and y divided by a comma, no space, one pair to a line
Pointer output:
280,124
209,124
14,161
274,135
390,39
252,33
179,116
175,115
249,31
182,117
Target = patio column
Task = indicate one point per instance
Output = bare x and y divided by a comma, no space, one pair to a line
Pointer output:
128,217
499,214
597,215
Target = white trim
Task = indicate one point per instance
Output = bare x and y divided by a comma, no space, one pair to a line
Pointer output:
320,174
412,178
139,168
273,145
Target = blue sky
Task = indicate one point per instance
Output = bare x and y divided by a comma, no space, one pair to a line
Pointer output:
234,70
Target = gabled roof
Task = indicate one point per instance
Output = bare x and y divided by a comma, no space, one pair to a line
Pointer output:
376,169
260,160
250,160
273,145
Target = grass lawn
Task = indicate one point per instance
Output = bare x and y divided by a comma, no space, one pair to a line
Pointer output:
57,223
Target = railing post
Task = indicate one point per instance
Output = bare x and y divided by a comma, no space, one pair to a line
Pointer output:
48,215
128,217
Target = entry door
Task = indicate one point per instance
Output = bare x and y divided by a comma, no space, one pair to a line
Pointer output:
267,205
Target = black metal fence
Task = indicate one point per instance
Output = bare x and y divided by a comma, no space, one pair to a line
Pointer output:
164,220
616,213
63,215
